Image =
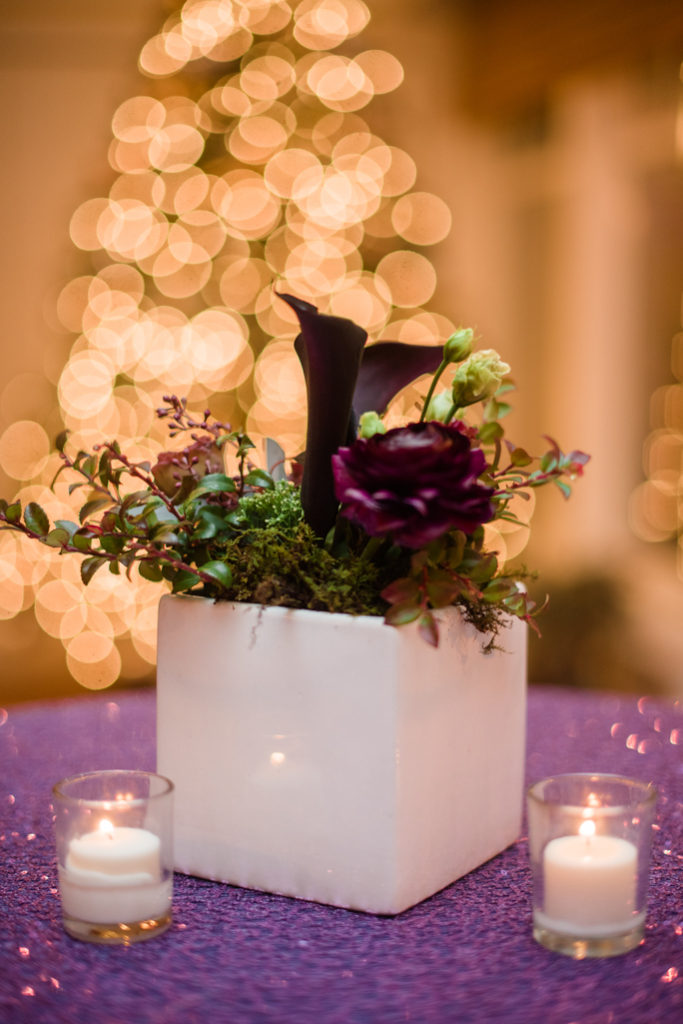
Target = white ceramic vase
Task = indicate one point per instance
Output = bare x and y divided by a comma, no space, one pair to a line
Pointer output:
334,758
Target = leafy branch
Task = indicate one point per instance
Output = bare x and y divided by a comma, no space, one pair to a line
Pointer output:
170,526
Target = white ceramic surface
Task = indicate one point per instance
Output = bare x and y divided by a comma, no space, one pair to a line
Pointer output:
334,758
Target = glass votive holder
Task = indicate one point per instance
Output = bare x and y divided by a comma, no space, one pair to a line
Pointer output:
114,832
589,846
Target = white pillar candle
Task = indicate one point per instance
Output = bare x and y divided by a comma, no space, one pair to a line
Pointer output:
113,875
589,884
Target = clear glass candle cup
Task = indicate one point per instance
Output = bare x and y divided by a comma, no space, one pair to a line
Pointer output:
589,846
114,832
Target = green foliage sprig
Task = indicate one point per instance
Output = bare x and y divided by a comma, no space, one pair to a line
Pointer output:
146,525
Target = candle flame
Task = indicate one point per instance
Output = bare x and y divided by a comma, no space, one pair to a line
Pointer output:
587,828
106,827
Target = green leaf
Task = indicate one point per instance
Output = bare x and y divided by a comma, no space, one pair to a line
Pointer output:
142,498
436,548
564,487
13,512
111,521
402,613
112,545
490,432
510,517
496,410
210,524
218,571
245,444
224,439
36,519
66,524
235,518
57,538
157,506
499,589
517,604
134,515
61,440
213,483
93,506
158,516
89,567
104,468
165,533
259,478
401,591
479,567
457,549
442,589
184,580
419,560
519,457
428,629
82,539
150,571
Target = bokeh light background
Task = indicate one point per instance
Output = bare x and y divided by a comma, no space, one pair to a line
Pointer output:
250,160
227,185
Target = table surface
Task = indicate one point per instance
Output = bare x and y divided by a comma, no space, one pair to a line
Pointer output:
465,955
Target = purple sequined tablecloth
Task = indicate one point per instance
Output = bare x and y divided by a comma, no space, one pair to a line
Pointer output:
234,956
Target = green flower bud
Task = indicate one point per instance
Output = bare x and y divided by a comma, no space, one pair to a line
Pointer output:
459,345
439,407
479,377
370,424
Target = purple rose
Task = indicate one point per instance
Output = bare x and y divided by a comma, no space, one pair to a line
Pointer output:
413,482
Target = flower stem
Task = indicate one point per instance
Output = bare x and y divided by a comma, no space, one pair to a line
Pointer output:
371,548
435,379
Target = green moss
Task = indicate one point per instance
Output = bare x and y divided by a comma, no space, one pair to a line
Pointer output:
290,568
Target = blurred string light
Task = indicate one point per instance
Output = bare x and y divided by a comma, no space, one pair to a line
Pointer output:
656,506
248,166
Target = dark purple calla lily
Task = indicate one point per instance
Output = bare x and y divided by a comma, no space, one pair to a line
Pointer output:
386,368
329,349
344,380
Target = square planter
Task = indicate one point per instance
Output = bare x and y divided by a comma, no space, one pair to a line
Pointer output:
335,758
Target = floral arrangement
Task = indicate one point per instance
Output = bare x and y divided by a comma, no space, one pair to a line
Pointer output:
367,520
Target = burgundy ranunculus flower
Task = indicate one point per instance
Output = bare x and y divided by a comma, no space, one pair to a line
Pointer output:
413,482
